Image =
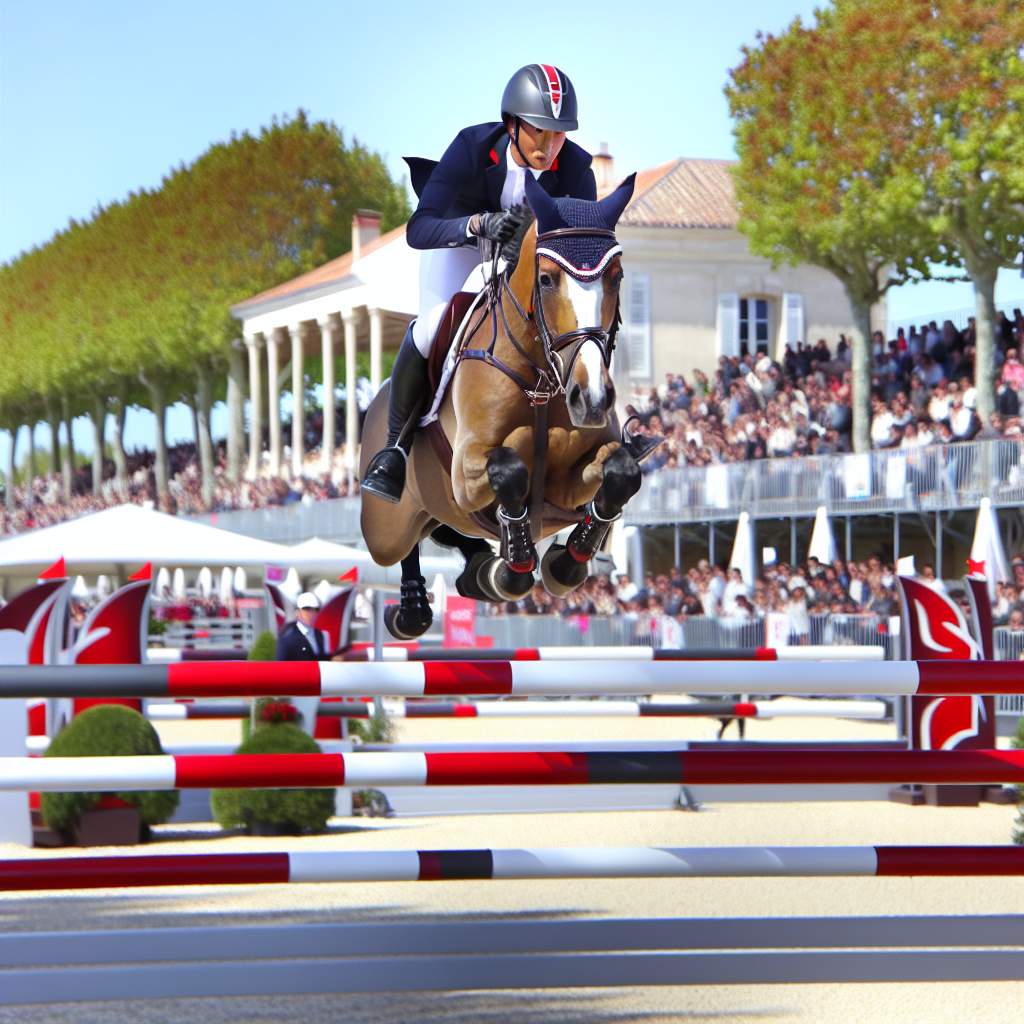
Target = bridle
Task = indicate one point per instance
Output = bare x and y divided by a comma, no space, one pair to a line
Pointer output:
560,351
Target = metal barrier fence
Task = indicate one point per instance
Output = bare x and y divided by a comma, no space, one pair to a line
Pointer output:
201,633
926,479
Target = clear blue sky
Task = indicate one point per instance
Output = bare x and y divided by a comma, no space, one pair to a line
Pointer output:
97,99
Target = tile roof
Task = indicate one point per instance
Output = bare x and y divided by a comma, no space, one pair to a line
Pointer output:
684,194
334,270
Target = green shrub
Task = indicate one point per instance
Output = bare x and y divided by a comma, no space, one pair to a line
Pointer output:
1018,744
291,811
379,728
264,648
114,731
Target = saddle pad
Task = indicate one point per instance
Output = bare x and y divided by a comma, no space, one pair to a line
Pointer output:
446,345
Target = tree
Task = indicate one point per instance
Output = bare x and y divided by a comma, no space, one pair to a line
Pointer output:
959,105
818,176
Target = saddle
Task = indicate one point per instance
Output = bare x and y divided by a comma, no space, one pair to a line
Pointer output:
439,381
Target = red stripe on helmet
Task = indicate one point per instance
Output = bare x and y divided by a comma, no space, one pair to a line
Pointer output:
554,83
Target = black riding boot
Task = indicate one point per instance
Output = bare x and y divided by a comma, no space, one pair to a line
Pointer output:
385,475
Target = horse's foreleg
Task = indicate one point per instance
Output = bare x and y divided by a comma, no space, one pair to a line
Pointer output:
412,617
564,569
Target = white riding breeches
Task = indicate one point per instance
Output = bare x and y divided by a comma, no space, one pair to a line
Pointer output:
443,272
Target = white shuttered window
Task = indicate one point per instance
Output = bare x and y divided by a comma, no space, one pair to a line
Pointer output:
638,326
793,318
728,324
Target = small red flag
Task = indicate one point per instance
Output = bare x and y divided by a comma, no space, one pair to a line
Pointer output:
57,571
352,576
145,573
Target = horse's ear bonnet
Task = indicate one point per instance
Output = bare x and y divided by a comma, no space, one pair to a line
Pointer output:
578,234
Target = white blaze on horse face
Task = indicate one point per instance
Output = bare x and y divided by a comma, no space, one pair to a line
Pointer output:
587,299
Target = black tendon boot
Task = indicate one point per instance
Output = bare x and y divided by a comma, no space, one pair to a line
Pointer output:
385,475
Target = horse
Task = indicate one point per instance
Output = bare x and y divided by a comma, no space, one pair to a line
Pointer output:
525,440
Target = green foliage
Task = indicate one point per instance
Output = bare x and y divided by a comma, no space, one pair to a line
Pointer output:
106,730
288,810
264,648
379,728
143,289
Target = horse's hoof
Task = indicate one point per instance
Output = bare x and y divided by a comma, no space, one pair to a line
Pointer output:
404,624
497,578
561,573
467,583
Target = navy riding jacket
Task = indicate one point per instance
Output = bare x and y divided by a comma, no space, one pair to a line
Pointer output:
469,179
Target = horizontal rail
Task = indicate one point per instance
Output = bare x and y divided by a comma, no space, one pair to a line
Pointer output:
517,678
122,872
526,768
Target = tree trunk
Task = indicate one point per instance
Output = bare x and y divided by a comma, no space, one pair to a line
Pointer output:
30,466
9,471
54,421
984,346
67,462
117,444
158,403
861,375
237,371
201,411
97,416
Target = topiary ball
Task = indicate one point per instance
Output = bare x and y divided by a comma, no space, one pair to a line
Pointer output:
287,811
264,647
110,730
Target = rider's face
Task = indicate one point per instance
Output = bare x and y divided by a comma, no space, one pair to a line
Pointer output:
539,147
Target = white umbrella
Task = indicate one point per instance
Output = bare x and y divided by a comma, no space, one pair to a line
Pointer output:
79,589
227,584
103,587
163,581
241,580
744,555
988,557
204,582
823,544
178,584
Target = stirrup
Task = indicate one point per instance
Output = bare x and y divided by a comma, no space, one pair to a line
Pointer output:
517,548
639,445
383,478
589,534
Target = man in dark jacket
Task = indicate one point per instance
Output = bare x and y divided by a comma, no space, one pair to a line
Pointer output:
299,641
476,191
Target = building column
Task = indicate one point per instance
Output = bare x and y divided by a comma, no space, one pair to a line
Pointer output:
327,339
351,406
252,347
298,400
274,401
376,348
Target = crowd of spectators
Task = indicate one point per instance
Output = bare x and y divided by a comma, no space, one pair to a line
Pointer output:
706,590
41,502
752,408
922,393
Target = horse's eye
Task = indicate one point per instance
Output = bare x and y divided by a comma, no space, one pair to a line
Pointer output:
547,280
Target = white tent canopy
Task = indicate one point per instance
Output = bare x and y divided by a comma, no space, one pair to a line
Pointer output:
317,557
823,544
123,538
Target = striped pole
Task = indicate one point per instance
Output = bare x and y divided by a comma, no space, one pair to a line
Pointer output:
822,652
857,709
526,768
498,864
510,678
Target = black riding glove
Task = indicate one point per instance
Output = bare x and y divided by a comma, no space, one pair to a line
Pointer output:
498,227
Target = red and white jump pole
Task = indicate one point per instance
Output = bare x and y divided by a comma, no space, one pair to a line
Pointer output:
525,768
577,653
857,709
515,678
498,864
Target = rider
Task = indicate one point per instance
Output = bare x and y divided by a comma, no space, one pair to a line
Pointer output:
475,192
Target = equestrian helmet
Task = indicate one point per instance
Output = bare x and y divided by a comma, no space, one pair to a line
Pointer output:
542,96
